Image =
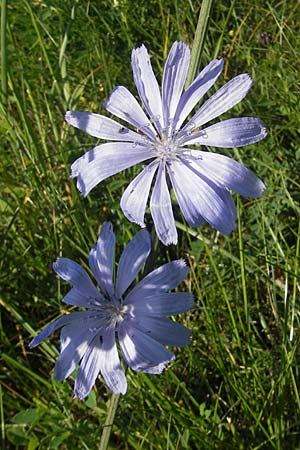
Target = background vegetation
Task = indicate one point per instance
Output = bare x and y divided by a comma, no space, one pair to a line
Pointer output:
237,385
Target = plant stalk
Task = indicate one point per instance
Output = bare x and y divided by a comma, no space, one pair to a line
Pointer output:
199,39
3,52
109,421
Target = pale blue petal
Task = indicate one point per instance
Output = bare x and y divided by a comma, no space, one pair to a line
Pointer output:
62,321
132,259
77,298
74,344
89,369
101,127
111,369
74,274
164,330
230,133
197,90
183,190
135,196
199,198
161,209
221,191
163,279
101,259
163,304
122,104
147,85
175,72
224,99
106,160
141,352
228,173
101,357
71,330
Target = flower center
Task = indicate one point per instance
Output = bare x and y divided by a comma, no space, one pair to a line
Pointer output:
115,312
166,148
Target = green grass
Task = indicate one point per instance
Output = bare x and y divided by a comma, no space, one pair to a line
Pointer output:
237,385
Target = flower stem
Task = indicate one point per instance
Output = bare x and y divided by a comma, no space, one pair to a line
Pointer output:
109,421
198,43
3,52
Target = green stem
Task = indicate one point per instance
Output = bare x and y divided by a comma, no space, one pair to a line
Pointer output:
109,421
198,43
3,52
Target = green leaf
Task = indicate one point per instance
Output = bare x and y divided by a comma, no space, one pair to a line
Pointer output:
91,401
26,417
33,443
57,440
17,434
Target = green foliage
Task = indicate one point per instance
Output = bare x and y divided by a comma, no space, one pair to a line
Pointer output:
237,385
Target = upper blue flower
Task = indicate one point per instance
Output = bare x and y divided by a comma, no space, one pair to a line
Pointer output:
201,180
137,317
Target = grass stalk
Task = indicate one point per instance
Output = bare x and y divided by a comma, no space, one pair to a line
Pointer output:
3,51
199,39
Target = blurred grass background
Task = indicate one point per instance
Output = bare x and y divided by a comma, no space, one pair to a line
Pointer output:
237,385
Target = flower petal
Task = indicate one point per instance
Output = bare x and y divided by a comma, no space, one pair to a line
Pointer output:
164,304
135,196
74,274
197,90
228,173
122,104
133,257
200,199
164,330
141,352
183,190
101,127
75,343
175,72
101,259
111,369
225,98
230,133
62,321
77,298
100,357
147,85
161,209
163,279
89,369
106,160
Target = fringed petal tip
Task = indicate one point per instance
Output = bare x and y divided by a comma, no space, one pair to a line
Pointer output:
261,190
132,218
226,229
170,240
56,264
157,369
80,393
81,187
33,343
107,102
68,117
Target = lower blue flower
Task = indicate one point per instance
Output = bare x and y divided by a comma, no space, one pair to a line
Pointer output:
137,317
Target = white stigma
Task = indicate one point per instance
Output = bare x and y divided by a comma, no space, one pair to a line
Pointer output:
166,148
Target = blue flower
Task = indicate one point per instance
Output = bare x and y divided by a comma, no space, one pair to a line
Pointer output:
137,317
201,180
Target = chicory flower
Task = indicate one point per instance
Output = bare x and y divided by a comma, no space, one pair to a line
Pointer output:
201,180
137,316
